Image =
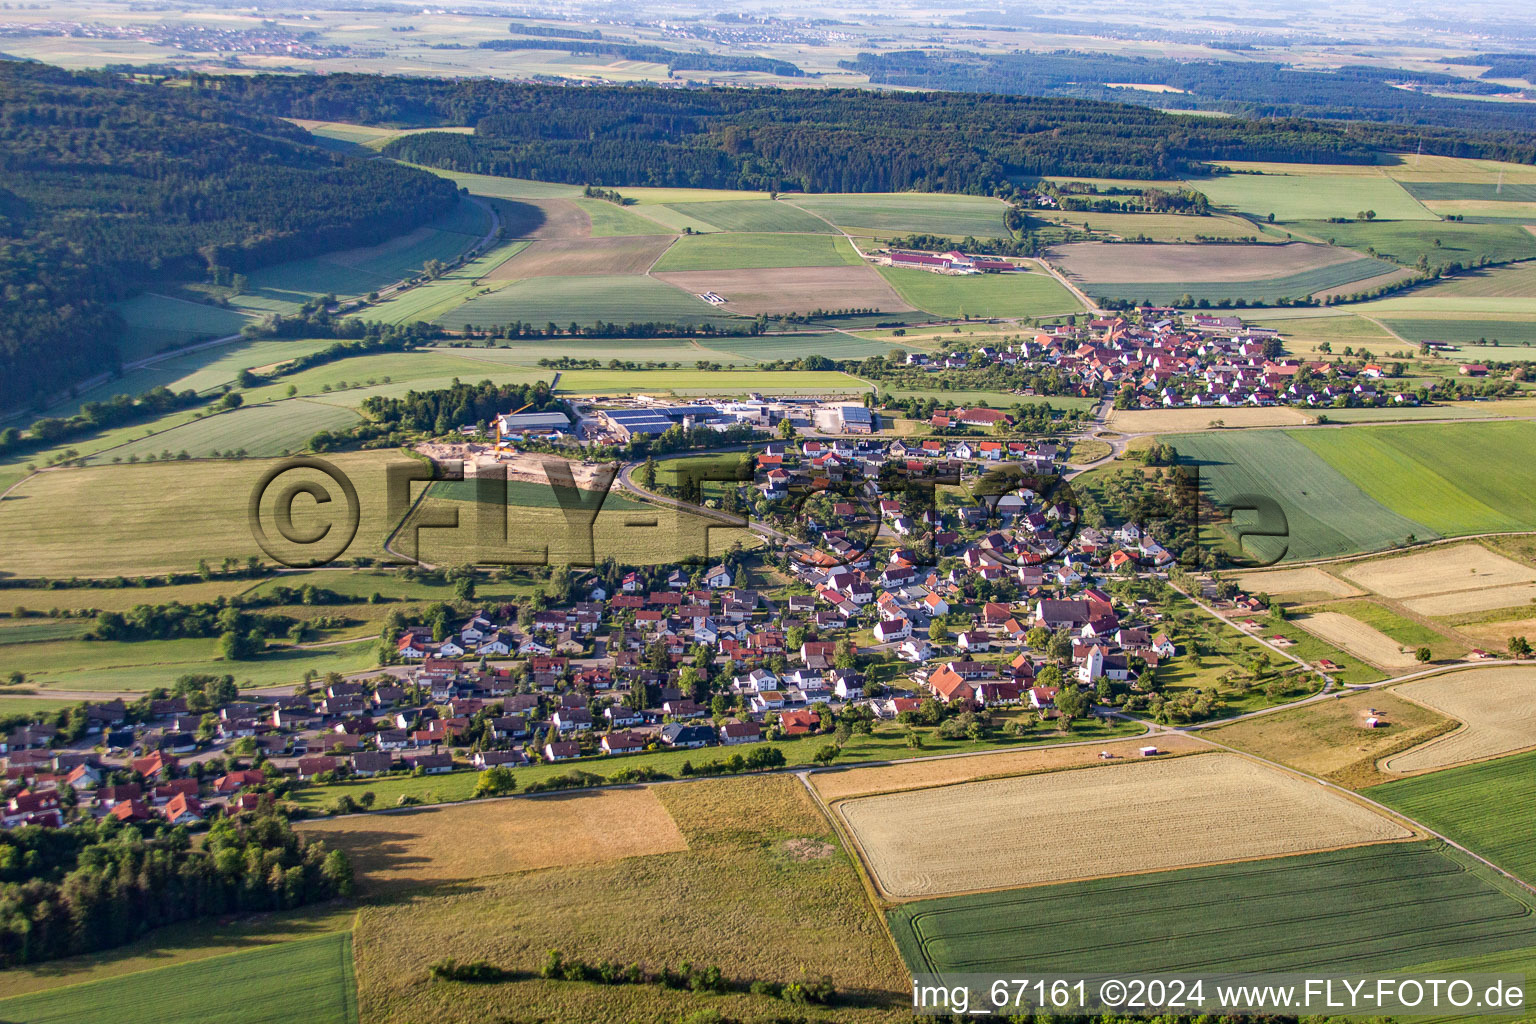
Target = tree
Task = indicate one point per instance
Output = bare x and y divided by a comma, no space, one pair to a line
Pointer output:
1519,647
648,474
1423,654
1072,702
235,645
495,781
937,631
786,429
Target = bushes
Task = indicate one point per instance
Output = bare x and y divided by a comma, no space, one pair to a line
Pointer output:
477,972
760,758
805,992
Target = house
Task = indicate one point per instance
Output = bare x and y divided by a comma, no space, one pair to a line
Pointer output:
799,723
892,629
848,685
309,767
183,809
733,733
430,764
687,737
484,759
1054,613
767,700
623,743
372,762
572,720
232,782
974,640
563,750
717,578
915,650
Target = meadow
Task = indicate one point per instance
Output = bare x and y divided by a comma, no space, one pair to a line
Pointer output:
143,665
1144,819
709,382
1313,192
902,213
159,323
1404,241
1364,910
1472,806
1330,738
764,890
565,257
752,215
797,290
258,430
1497,707
1326,512
1158,227
1033,294
584,300
310,980
610,219
740,251
1513,337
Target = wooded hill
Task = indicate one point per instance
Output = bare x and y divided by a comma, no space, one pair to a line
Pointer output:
111,184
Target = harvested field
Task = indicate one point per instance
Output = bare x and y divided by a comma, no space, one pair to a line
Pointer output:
1465,602
1330,738
1391,277
1138,421
792,290
1287,582
543,218
1355,637
566,257
1143,818
946,771
1438,570
1495,635
1497,705
439,844
1172,264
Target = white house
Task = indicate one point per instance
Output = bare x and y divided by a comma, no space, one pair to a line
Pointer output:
892,629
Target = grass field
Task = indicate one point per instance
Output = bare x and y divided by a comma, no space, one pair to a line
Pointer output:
739,251
708,382
1158,227
1401,631
1330,738
1362,639
142,666
1517,280
764,890
610,219
444,844
1147,421
754,215
115,599
1403,241
1365,910
1496,705
564,257
507,188
585,300
903,213
795,289
982,295
1326,512
1471,805
157,323
258,429
1144,818
1313,192
1514,336
310,980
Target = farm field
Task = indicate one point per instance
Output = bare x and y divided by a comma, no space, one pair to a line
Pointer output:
982,295
1471,805
1516,408
309,980
740,251
902,213
1175,264
767,349
1367,910
1294,583
158,323
1313,192
929,772
1335,278
621,299
115,599
542,218
1158,227
1143,820
564,257
443,844
1436,570
1327,513
609,219
259,430
1398,628
1514,336
752,215
1496,705
793,290
1468,602
764,890
505,188
709,382
1358,638
1404,241
1330,738
1150,421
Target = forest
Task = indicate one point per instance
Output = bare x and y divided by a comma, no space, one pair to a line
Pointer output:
111,184
101,884
832,140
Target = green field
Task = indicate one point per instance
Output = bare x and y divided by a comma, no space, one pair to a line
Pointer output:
1516,280
1474,806
901,213
708,382
158,323
310,980
1405,241
585,300
1405,631
756,251
1487,192
1267,289
144,665
439,296
1364,910
525,494
1158,227
1312,196
752,215
505,188
1469,331
611,219
767,349
982,295
1327,513
258,429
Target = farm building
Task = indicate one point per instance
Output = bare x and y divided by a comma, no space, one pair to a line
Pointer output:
521,424
657,419
952,260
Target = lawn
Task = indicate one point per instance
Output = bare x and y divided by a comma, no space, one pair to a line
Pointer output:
1365,910
1474,805
755,215
1327,513
257,429
585,300
887,742
1404,241
982,295
310,980
902,213
1309,195
764,890
740,251
158,323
